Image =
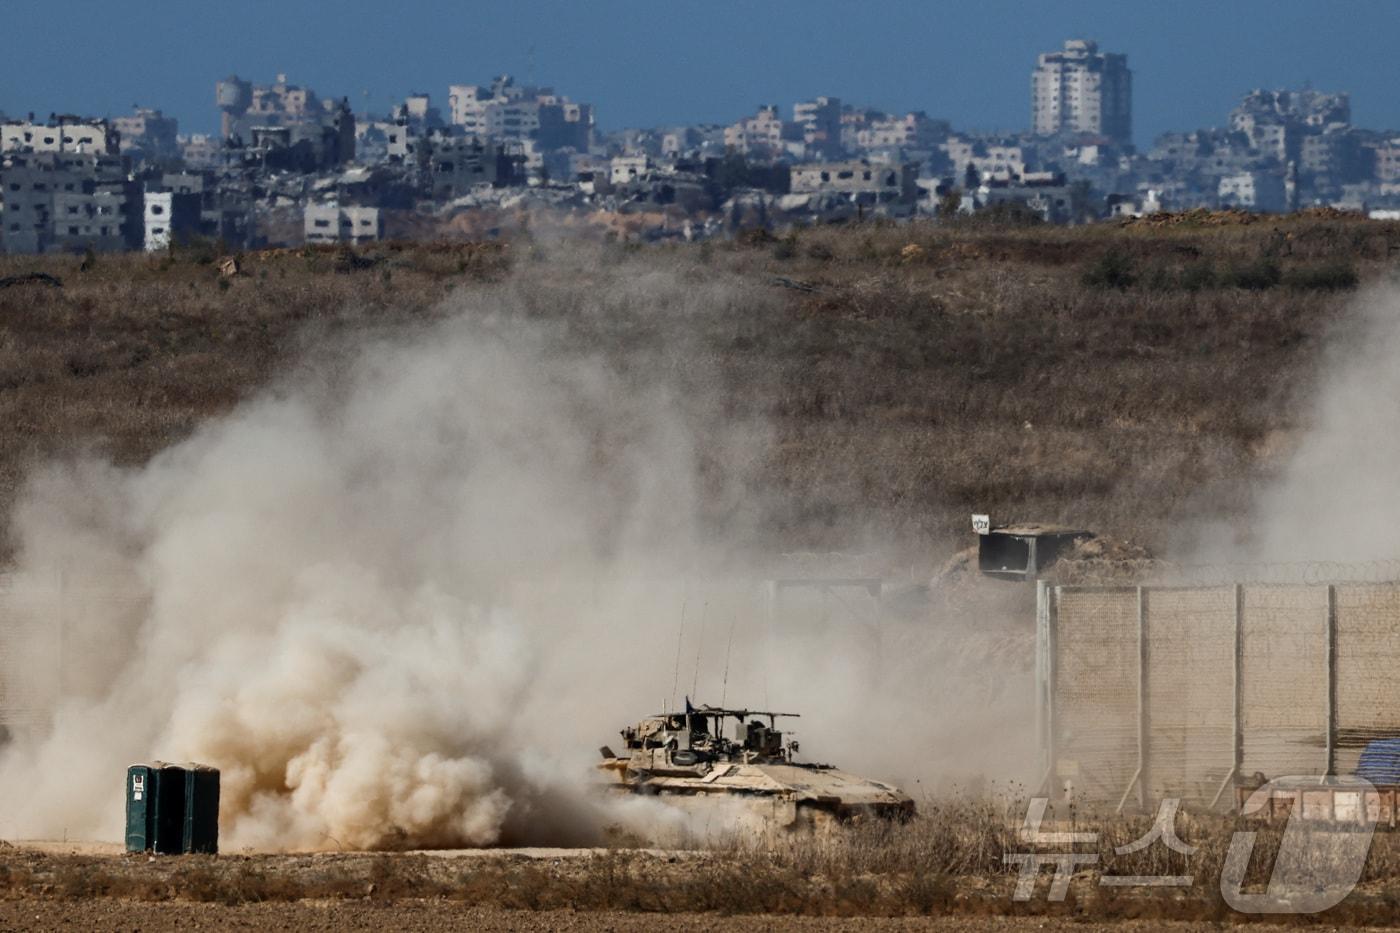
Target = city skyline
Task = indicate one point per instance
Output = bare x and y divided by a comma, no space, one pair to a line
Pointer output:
971,68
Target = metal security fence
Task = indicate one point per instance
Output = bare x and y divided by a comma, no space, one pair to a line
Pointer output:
1146,692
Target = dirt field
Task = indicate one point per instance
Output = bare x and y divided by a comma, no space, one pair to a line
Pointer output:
414,916
430,916
870,880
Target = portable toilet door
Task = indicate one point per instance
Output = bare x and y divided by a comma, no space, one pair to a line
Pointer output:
169,809
201,823
140,808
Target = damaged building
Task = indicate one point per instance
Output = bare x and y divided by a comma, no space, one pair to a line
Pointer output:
170,217
459,165
148,134
506,110
884,181
506,148
333,223
285,127
67,202
60,133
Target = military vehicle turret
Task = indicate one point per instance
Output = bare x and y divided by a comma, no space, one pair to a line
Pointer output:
686,758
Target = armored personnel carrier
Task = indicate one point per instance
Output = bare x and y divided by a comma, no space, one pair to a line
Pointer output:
688,759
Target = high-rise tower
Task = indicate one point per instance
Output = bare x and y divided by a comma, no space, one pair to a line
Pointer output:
1080,90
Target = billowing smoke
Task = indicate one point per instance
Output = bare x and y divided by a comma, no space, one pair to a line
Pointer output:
401,597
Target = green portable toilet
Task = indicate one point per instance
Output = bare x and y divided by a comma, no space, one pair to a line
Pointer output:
201,823
171,809
140,808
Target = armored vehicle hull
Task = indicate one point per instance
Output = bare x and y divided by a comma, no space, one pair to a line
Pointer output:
686,759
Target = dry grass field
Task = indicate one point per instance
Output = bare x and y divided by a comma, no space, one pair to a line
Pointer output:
948,863
1120,378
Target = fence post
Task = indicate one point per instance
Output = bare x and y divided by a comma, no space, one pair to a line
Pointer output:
1143,724
1238,686
1052,624
1331,680
1042,685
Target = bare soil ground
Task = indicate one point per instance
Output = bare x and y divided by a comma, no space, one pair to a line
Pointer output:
807,886
412,916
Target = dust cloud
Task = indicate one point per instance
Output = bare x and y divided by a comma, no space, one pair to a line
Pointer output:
1335,498
1328,490
402,596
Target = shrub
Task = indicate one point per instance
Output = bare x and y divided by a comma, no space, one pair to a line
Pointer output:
1192,277
1111,270
1256,276
1159,278
1196,276
1004,214
1332,276
755,236
198,250
950,203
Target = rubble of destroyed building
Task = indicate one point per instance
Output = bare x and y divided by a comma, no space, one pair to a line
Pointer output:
289,166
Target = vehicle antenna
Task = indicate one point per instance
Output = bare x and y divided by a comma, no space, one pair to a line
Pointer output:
700,647
680,635
724,686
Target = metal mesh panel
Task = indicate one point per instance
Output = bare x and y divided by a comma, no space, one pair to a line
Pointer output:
1190,692
1190,652
1368,668
1095,698
1284,680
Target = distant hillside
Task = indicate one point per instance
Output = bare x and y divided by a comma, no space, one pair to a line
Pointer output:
1115,377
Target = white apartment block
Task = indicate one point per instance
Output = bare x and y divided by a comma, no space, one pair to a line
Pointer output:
818,113
65,134
331,223
991,161
506,110
911,131
820,120
762,132
169,216
157,220
1388,162
1256,191
623,169
148,130
1080,90
514,119
464,100
856,176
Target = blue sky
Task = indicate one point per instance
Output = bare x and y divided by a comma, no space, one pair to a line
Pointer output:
645,64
